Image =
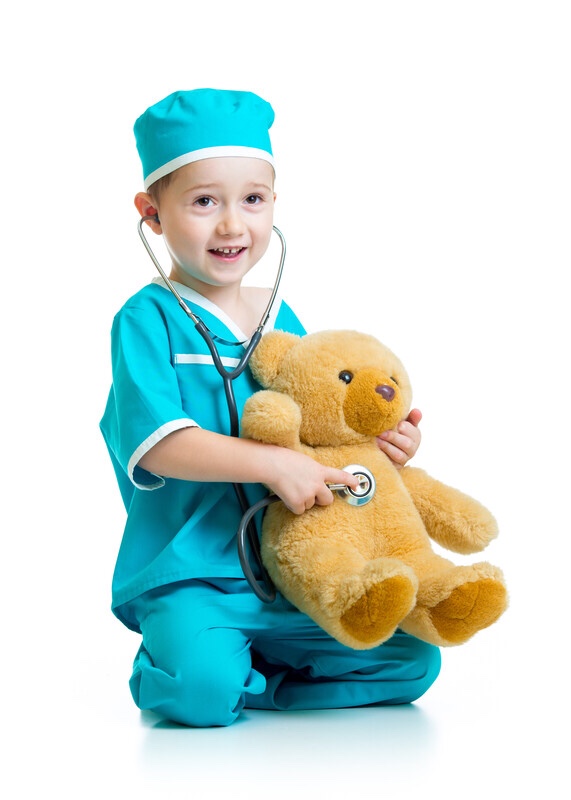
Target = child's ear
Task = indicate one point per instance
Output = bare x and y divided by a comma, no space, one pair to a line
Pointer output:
146,208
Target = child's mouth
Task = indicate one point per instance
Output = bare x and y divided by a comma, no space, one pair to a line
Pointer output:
227,252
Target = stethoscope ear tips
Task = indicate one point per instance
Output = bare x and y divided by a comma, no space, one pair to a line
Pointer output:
364,492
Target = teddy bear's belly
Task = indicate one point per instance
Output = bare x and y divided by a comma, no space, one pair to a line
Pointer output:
389,525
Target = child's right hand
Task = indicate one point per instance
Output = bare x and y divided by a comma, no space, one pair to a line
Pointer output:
302,482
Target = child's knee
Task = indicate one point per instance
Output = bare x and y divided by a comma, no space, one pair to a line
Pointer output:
423,663
198,694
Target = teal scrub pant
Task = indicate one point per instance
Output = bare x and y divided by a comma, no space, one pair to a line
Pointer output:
210,649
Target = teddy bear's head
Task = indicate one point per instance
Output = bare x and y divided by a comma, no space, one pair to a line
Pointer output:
348,385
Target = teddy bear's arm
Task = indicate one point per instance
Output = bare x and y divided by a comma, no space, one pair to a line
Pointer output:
452,518
273,418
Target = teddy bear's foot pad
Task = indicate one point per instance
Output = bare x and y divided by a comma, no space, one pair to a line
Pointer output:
468,609
375,615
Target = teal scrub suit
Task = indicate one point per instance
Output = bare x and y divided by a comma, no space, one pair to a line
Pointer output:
209,645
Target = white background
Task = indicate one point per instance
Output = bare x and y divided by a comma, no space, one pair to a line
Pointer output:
424,178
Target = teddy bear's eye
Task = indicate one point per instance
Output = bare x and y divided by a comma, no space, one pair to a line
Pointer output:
345,376
394,380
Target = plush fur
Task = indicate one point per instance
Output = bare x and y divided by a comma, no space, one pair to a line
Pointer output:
361,572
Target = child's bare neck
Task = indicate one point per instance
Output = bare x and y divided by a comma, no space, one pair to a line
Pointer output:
246,307
243,304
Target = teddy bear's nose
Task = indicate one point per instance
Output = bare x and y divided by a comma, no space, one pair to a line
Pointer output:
387,392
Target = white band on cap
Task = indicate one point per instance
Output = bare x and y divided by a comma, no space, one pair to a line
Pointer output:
226,151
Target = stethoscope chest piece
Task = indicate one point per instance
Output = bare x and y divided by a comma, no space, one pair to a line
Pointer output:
364,492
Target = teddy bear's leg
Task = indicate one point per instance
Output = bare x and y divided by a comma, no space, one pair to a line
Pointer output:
358,602
383,603
456,603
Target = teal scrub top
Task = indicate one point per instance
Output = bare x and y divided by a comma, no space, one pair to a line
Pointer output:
164,379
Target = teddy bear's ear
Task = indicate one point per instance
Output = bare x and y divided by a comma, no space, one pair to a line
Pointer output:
268,355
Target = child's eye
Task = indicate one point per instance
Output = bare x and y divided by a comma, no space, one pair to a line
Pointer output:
252,199
203,202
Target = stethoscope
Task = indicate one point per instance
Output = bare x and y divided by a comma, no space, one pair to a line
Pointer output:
247,533
227,375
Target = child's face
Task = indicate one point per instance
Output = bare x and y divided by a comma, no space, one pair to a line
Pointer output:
216,217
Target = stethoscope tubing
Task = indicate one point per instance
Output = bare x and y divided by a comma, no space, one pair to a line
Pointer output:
247,525
244,536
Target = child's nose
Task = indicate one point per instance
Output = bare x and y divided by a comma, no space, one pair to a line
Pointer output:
231,222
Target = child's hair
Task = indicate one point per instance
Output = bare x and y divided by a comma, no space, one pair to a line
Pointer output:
158,187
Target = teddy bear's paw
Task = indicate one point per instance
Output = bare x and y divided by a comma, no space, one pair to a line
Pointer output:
469,608
374,617
271,417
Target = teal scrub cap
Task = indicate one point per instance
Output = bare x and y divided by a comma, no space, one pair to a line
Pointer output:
202,123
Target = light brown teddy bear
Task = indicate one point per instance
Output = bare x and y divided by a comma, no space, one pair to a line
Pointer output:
360,571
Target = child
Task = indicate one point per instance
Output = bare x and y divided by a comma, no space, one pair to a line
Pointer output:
209,645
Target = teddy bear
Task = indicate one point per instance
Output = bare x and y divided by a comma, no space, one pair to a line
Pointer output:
362,570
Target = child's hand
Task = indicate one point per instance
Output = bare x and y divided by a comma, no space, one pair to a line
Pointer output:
401,444
302,482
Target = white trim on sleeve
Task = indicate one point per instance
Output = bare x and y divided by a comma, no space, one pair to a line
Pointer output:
150,441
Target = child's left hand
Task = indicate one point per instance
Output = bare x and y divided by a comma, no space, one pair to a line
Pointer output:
401,444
